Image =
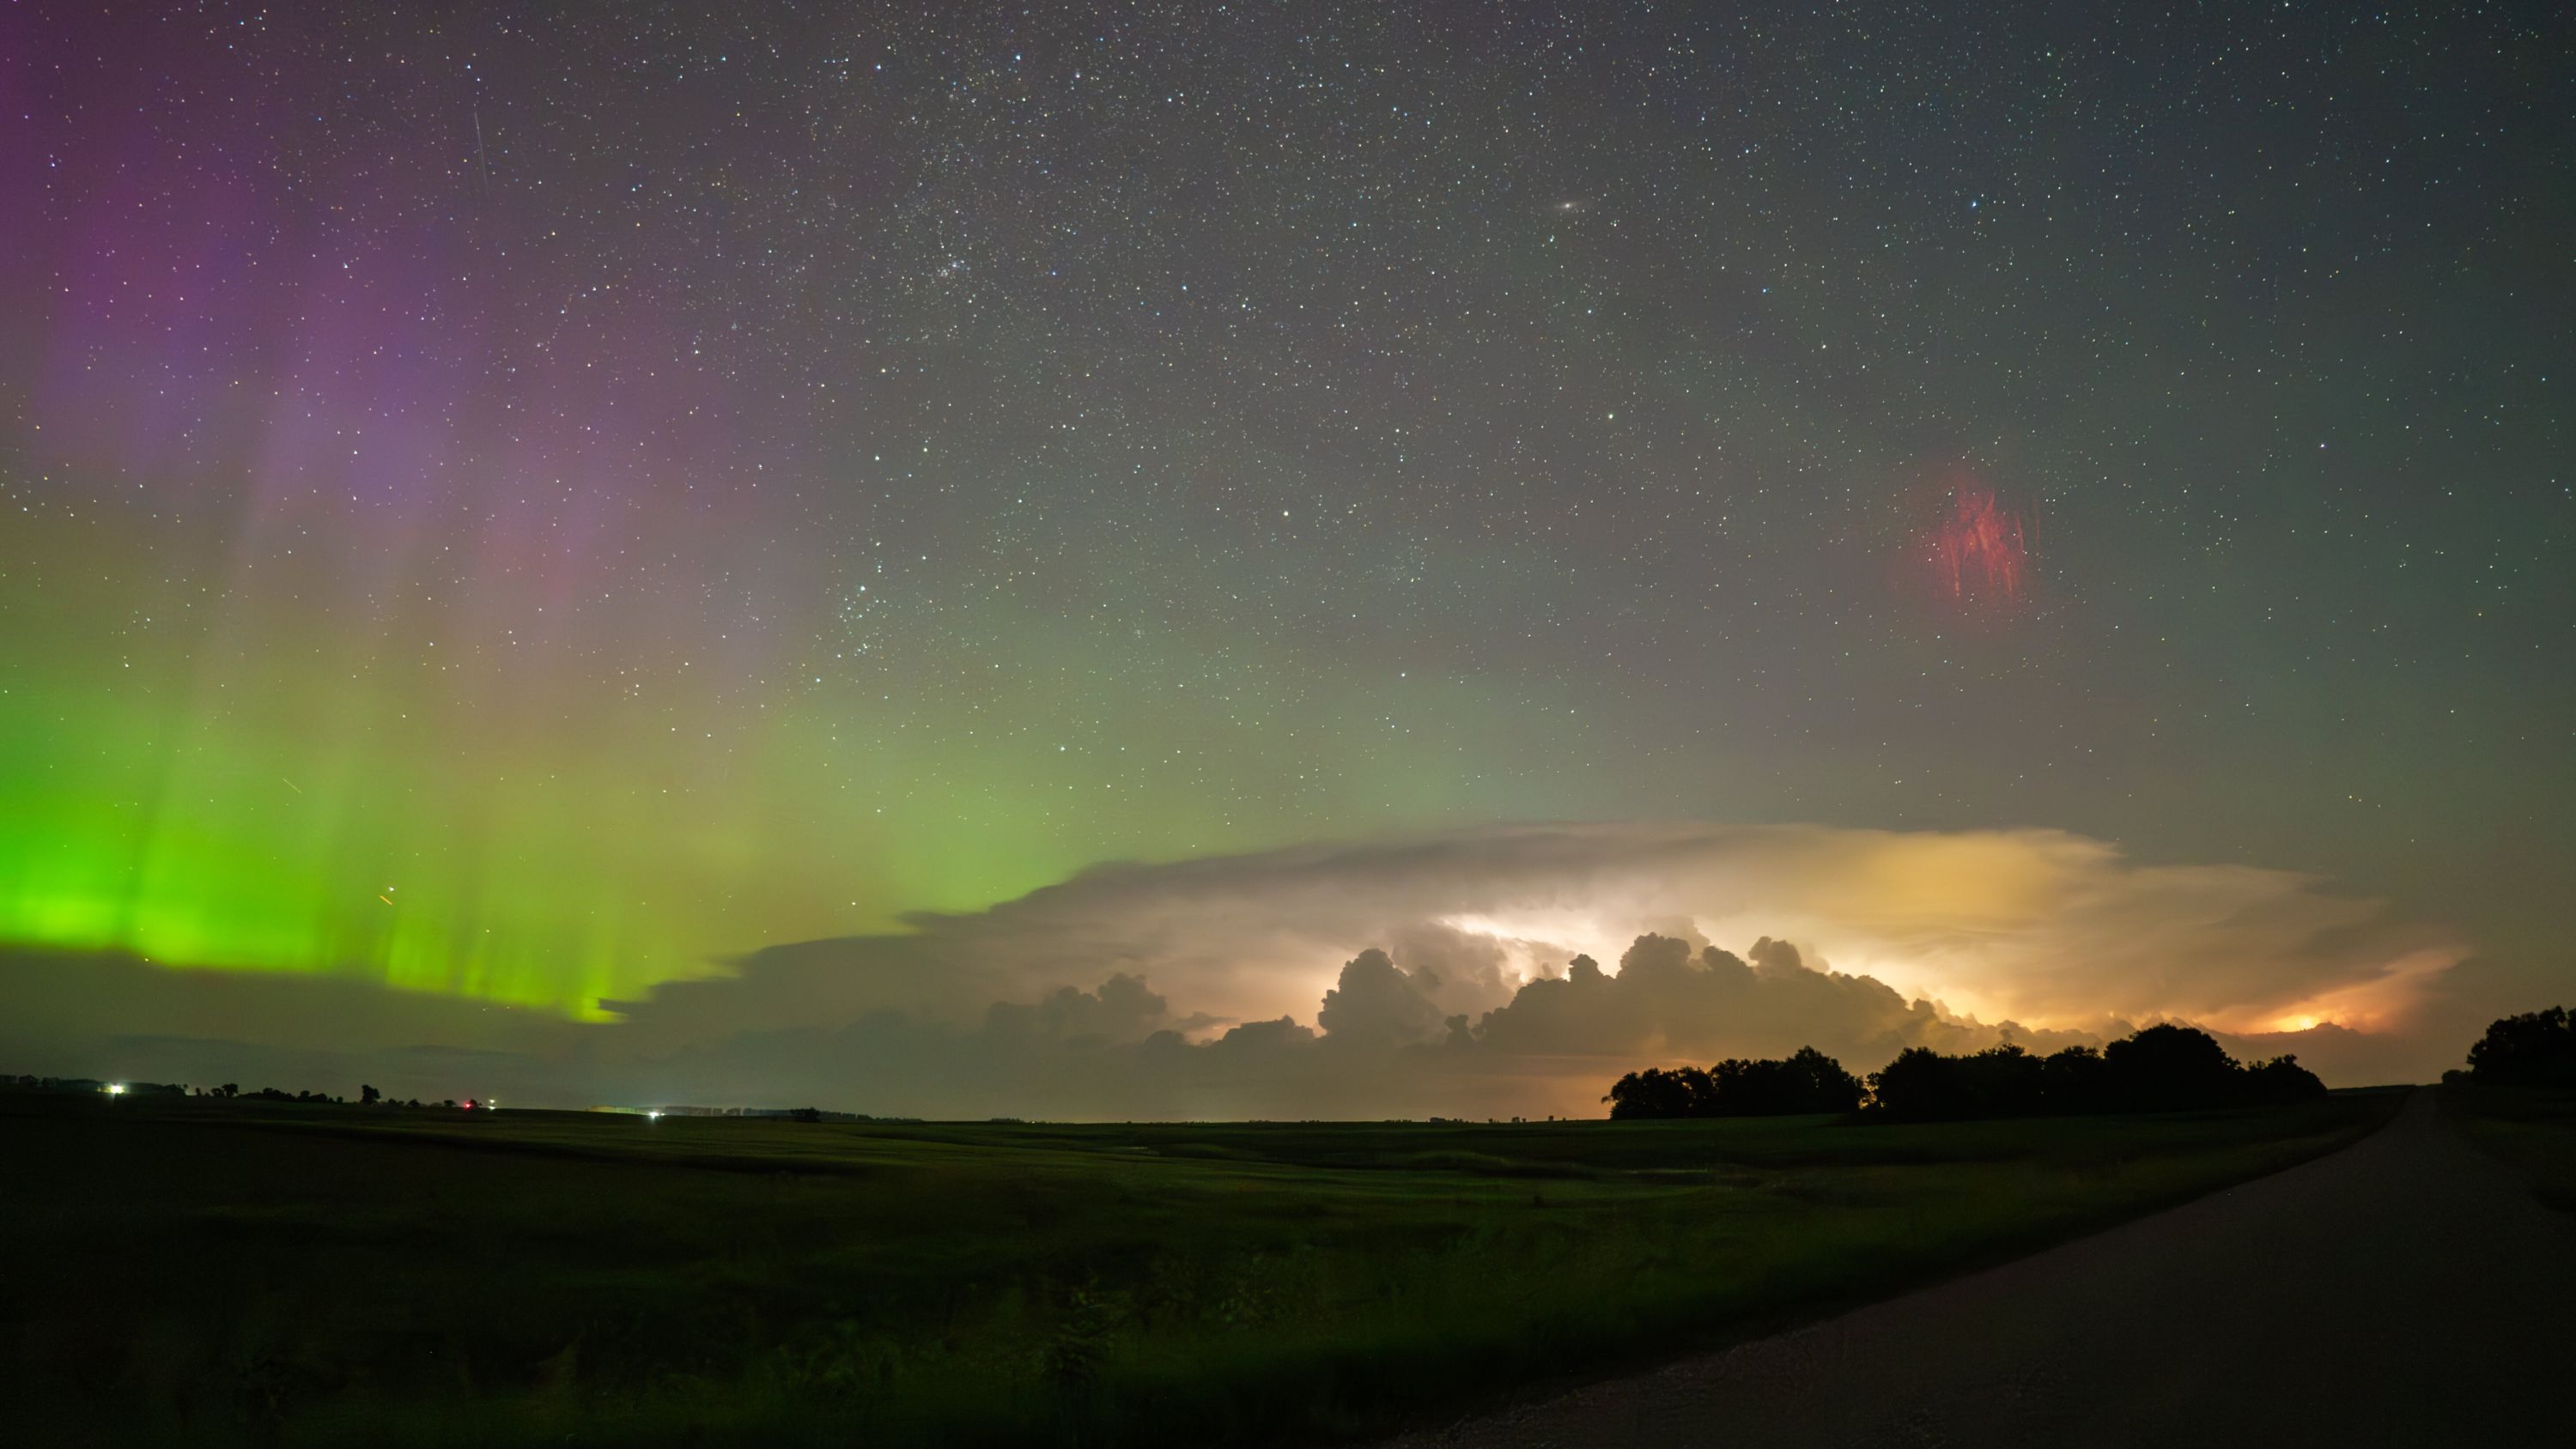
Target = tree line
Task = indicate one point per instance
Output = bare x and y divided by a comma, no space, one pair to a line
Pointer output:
2159,1069
1809,1081
2534,1049
368,1096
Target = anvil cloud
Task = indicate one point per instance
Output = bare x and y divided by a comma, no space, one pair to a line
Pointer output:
1491,971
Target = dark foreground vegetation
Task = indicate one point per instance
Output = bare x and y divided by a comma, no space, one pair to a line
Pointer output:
2160,1069
2518,1099
2535,1049
1808,1081
179,1270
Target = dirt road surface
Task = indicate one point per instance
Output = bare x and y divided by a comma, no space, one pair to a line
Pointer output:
2405,1291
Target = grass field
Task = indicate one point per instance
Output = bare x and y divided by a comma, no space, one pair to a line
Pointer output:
2532,1128
220,1272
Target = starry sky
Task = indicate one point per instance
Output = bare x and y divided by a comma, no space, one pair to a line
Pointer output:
522,507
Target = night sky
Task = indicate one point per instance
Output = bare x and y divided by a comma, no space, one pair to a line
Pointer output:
522,507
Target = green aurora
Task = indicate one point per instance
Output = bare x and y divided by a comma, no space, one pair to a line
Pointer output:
527,514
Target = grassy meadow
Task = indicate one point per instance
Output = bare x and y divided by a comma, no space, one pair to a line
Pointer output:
206,1272
2532,1128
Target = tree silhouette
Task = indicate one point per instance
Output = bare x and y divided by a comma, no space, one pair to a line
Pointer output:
2279,1082
1654,1092
2075,1079
1809,1081
367,1096
2170,1068
1828,1088
1922,1085
2535,1049
2161,1069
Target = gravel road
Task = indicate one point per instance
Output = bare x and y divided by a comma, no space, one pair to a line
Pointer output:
2404,1291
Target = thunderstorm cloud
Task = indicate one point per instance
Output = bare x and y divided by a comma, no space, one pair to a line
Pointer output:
1483,972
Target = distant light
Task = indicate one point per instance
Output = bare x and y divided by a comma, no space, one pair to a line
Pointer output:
652,1116
116,1089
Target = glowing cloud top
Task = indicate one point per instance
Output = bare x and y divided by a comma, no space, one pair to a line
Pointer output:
526,511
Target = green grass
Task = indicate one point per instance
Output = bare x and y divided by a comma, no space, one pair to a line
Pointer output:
2533,1129
210,1273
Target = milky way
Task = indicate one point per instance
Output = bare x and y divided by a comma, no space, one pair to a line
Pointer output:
525,505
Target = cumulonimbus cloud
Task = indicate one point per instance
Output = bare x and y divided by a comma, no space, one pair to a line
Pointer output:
1501,971
2037,926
